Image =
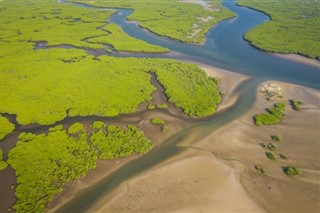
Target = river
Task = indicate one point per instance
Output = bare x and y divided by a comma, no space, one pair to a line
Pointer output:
224,48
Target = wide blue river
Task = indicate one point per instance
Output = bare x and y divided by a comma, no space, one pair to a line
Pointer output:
224,48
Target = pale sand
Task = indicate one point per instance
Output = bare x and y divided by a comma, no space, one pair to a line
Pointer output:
299,58
241,140
194,181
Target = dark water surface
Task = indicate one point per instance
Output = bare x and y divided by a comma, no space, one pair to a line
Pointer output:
224,48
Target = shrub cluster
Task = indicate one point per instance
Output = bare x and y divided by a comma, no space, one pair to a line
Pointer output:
296,105
157,121
164,128
274,115
271,155
260,169
292,170
276,137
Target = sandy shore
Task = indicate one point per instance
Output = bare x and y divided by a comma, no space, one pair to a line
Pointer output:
217,173
276,191
299,58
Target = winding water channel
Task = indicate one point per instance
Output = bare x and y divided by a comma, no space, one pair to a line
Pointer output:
224,48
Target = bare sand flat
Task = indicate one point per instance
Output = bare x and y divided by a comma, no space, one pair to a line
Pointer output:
195,181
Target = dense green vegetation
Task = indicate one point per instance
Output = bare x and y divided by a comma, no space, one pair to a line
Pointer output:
178,20
296,105
3,164
189,88
274,115
5,126
292,170
294,27
54,83
117,38
157,121
97,125
84,86
45,163
58,24
119,142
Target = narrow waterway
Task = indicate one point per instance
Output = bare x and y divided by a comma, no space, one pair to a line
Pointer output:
224,48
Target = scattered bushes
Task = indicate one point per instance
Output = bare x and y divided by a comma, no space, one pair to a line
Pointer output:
271,155
164,128
296,105
276,137
157,121
260,169
162,106
272,146
292,170
283,156
158,106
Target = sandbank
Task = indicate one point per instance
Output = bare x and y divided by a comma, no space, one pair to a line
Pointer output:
241,139
299,58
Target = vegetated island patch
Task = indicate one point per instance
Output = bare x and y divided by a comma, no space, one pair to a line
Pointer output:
182,21
44,163
294,27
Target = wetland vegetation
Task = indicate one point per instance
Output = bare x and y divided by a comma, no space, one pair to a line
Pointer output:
5,127
178,20
294,27
44,163
45,86
274,115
